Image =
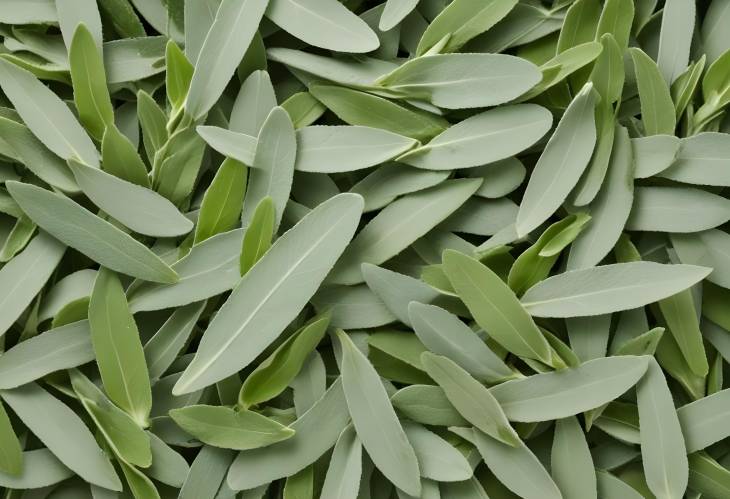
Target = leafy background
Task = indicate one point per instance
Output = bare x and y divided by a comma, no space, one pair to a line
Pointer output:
364,250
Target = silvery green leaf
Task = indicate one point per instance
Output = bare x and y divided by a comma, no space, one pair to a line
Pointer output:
678,22
386,183
323,23
272,167
71,224
375,420
60,348
400,224
63,432
663,451
131,59
291,270
559,394
238,146
331,149
654,154
437,459
676,210
700,159
46,115
699,420
24,12
482,79
24,276
571,461
256,93
561,164
609,288
41,469
353,307
229,36
345,469
311,439
484,138
714,39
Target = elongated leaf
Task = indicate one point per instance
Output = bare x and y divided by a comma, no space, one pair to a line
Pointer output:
609,210
257,239
399,225
437,459
609,288
484,138
516,467
291,271
120,158
654,154
388,182
678,22
432,79
61,348
323,23
444,334
89,82
699,160
140,209
229,36
311,439
495,307
462,20
662,445
275,373
677,209
61,430
470,398
238,146
559,394
118,349
209,269
207,473
46,115
375,420
41,469
657,108
273,166
11,454
702,421
345,469
330,149
25,275
121,432
179,74
222,202
561,164
228,428
571,461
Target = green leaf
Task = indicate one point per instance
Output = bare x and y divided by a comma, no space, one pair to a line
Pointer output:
579,26
153,121
333,149
312,439
678,23
400,224
516,467
427,404
616,18
462,20
141,209
229,428
609,288
483,138
561,164
273,166
571,461
23,277
46,115
662,446
89,83
495,307
40,469
444,334
11,455
677,210
470,398
342,480
432,79
61,348
178,76
238,146
210,268
274,374
122,433
257,239
253,104
222,201
71,224
657,108
707,476
63,432
559,394
375,420
229,36
303,109
291,270
323,23
563,65
394,12
608,74
118,349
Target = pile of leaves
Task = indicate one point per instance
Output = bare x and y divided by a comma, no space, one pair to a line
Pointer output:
297,249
